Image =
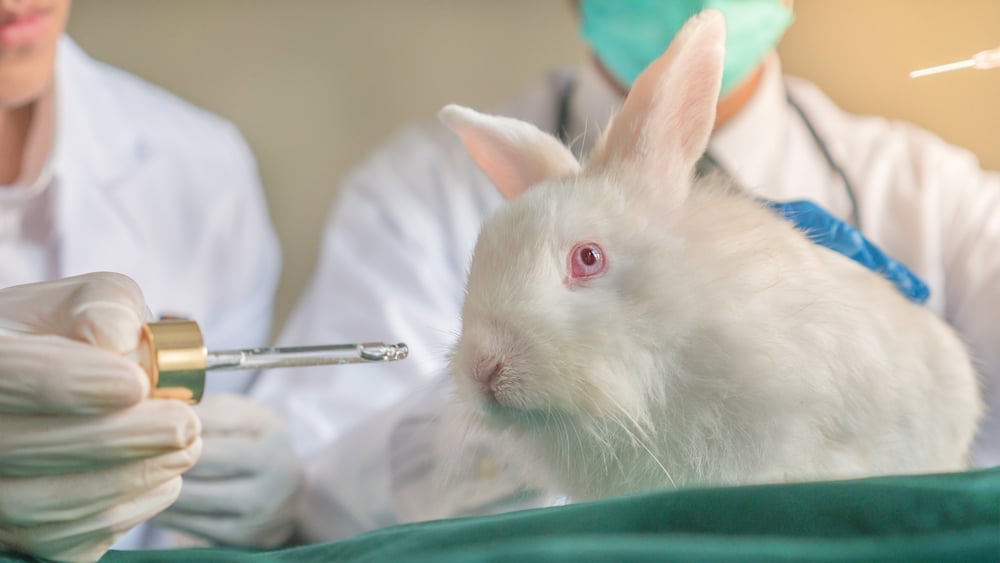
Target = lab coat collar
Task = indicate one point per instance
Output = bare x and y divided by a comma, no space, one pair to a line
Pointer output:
91,130
95,150
746,146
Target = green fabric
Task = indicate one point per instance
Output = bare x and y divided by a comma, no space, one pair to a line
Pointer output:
948,517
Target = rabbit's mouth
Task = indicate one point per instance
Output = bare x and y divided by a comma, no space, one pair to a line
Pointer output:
519,416
501,394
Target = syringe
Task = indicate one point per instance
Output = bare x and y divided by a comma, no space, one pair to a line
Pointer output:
982,60
173,354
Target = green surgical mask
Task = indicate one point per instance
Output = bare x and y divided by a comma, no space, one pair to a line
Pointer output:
628,35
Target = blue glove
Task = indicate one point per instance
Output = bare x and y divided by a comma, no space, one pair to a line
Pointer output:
826,230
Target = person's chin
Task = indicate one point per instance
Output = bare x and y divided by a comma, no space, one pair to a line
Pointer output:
14,96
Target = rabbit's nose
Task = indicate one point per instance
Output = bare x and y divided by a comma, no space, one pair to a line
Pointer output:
488,373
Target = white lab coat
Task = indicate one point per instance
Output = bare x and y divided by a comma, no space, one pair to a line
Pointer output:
154,188
395,254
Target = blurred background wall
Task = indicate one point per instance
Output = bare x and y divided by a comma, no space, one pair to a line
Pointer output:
314,85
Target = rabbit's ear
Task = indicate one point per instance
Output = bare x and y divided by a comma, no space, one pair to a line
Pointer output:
668,116
514,154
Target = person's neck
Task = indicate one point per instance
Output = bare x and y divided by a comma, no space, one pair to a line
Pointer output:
14,126
738,98
728,107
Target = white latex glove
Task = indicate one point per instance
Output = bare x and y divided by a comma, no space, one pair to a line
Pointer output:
84,455
243,491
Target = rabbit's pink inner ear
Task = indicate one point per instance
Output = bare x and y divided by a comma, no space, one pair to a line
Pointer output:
622,139
499,165
515,155
685,106
669,113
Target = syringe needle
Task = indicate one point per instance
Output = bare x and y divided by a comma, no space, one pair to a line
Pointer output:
263,358
982,60
968,63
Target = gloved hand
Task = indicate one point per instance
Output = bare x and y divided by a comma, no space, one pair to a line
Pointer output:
84,455
826,230
243,491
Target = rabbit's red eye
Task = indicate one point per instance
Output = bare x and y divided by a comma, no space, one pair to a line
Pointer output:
586,260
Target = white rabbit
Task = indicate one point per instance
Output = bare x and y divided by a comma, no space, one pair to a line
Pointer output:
637,328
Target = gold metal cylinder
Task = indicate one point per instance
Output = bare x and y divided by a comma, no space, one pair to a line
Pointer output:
173,354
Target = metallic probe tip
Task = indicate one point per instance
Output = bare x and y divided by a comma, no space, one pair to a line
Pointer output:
384,352
402,351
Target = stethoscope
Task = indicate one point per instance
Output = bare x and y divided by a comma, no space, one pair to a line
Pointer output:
562,130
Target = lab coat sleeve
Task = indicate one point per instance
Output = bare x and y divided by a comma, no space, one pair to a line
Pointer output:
387,271
247,255
971,249
420,459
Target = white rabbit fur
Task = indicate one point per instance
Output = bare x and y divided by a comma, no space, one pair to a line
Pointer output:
720,346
